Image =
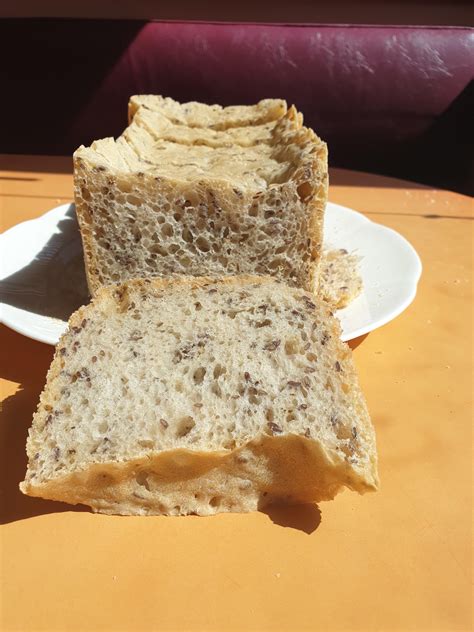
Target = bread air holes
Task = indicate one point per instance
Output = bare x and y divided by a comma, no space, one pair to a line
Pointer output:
167,230
203,244
85,194
184,426
184,261
255,399
146,443
124,186
187,235
215,501
253,211
173,249
99,232
200,223
133,200
216,389
304,190
159,250
103,427
218,371
137,234
342,431
142,479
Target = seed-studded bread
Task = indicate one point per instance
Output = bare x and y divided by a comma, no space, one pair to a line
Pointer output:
339,279
195,114
200,396
202,190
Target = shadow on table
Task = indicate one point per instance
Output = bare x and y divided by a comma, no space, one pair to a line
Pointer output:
305,518
27,366
54,283
355,342
31,163
349,178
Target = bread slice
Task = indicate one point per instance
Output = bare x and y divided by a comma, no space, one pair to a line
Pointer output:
200,396
339,278
195,190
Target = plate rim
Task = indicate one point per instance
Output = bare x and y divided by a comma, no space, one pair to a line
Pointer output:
412,282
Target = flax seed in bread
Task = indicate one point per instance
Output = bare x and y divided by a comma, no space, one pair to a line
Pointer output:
199,396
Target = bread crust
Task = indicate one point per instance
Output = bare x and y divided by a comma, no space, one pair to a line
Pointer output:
289,469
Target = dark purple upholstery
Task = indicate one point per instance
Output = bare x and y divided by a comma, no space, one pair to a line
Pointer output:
382,97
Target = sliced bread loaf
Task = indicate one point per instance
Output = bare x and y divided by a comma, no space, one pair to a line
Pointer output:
200,396
203,190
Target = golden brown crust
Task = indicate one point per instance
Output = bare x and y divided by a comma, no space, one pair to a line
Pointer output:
83,219
266,469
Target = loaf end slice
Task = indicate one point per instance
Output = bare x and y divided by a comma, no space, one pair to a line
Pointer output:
200,396
339,278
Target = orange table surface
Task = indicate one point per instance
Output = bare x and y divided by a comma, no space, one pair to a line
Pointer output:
399,559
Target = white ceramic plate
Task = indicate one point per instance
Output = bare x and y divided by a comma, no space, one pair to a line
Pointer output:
42,278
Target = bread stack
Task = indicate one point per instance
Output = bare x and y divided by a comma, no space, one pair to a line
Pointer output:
206,374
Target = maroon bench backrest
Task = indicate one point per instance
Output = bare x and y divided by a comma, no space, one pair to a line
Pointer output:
375,94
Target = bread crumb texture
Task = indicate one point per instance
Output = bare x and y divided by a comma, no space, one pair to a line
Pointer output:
340,281
200,395
193,189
